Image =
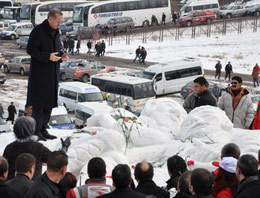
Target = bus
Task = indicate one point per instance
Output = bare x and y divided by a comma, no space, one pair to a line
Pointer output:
5,3
124,91
11,13
141,11
37,12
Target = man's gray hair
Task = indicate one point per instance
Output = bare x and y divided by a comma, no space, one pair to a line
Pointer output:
54,12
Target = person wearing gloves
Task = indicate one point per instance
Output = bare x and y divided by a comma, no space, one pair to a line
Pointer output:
26,142
225,184
237,104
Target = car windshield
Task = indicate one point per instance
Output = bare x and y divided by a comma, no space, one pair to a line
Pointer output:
90,97
11,28
147,75
60,120
144,90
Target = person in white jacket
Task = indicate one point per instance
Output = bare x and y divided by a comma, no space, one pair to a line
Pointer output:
237,104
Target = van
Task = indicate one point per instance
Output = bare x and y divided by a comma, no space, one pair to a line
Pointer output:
170,77
121,24
4,24
199,5
60,119
14,31
70,93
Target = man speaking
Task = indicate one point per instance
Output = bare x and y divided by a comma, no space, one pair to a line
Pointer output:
45,48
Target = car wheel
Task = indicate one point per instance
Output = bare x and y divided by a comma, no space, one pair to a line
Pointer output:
22,72
6,70
13,37
85,78
229,16
145,23
63,76
189,23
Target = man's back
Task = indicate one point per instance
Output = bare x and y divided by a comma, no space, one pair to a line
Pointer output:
7,192
148,187
249,187
123,193
20,183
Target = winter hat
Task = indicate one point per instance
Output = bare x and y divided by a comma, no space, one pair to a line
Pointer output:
228,164
24,127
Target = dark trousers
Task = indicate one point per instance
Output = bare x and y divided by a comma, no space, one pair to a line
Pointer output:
217,74
42,117
137,56
10,119
228,75
255,81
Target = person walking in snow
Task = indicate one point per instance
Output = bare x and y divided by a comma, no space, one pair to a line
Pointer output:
237,104
218,68
228,70
255,74
163,18
103,48
11,112
89,46
137,54
200,97
78,46
143,55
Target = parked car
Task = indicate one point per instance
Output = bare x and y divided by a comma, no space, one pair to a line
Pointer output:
2,78
2,60
254,10
189,88
19,64
14,31
233,10
121,24
4,126
22,42
82,69
66,26
197,17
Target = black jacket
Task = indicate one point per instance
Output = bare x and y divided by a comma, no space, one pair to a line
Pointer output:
183,195
198,196
45,188
249,188
218,67
43,74
20,183
15,148
173,181
228,68
7,192
148,187
123,193
11,112
205,98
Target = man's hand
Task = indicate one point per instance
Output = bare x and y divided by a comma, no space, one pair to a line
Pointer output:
65,57
54,57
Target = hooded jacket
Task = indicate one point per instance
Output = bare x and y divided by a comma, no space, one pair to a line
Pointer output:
241,116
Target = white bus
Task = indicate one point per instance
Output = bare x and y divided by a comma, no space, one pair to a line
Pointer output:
37,12
123,91
5,3
11,13
141,11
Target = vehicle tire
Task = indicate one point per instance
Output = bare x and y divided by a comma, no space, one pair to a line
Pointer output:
229,16
189,23
85,78
146,23
257,13
6,70
12,37
22,72
63,76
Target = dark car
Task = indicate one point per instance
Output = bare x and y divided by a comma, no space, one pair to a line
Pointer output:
2,78
22,42
254,10
189,88
66,26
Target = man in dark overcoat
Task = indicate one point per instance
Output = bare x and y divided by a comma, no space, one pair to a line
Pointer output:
45,48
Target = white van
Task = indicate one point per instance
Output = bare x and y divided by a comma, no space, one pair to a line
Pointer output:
60,119
70,93
85,110
14,31
170,77
4,24
190,6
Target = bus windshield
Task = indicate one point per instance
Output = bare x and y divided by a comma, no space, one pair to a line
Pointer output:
144,90
60,120
77,15
25,12
8,13
90,97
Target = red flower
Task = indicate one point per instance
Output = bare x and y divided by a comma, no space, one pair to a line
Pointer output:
94,133
133,166
215,163
190,163
126,119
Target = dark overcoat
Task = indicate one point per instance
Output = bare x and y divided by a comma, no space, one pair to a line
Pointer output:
44,74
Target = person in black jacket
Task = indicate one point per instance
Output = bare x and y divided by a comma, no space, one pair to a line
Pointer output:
24,170
247,175
78,46
121,176
137,54
218,68
144,175
11,112
45,48
47,186
5,190
103,48
163,18
176,167
184,186
228,70
89,46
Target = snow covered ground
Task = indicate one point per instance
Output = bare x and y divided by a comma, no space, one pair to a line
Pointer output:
241,49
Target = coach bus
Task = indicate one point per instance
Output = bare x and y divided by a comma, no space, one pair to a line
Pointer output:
11,13
141,11
4,3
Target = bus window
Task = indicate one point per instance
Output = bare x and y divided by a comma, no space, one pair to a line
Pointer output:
108,7
214,5
77,15
119,6
43,8
131,5
188,9
163,3
143,4
153,4
96,10
144,90
198,7
205,7
25,12
67,6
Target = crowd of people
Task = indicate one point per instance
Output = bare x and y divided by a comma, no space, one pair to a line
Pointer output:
235,176
140,55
